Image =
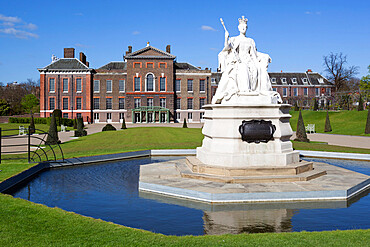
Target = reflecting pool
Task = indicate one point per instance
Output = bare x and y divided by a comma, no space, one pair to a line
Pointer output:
109,191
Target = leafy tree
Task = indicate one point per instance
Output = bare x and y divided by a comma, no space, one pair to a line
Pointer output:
365,85
367,128
184,125
360,106
327,123
4,107
301,130
30,102
52,138
338,73
123,127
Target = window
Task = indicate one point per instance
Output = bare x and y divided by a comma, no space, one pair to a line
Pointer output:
79,85
284,92
65,103
273,80
274,89
150,65
137,65
137,103
65,85
294,80
213,80
150,82
109,103
162,102
51,103
190,115
190,103
162,84
121,115
283,80
137,83
328,91
109,117
121,103
78,103
317,91
79,115
96,116
305,81
150,102
52,85
178,103
202,85
109,86
65,115
162,65
305,91
321,81
295,91
178,115
201,102
190,85
96,86
178,85
121,85
96,103
201,115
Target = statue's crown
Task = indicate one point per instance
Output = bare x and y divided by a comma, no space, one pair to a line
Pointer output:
243,20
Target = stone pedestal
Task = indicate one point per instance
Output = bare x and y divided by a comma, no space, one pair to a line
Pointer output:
222,144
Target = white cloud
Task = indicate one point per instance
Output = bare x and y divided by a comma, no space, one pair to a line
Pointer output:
15,26
79,14
213,49
312,13
207,28
10,18
135,32
18,33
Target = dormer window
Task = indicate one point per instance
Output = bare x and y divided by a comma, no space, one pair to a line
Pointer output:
273,80
283,80
294,80
305,81
321,81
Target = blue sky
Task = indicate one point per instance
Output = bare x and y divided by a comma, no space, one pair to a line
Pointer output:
296,34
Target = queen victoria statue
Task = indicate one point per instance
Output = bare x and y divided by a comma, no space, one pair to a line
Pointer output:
244,71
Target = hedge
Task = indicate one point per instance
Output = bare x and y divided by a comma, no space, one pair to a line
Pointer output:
24,120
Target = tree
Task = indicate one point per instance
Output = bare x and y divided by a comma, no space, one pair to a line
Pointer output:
367,128
337,72
360,106
80,128
32,125
123,127
327,123
315,105
184,125
296,107
365,85
52,138
301,130
30,102
4,107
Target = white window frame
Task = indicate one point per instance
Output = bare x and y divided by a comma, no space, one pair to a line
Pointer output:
67,84
50,88
317,91
65,108
294,80
202,91
119,85
192,103
285,92
151,100
137,103
305,81
305,91
109,117
295,91
192,85
178,99
111,85
165,84
119,103
273,80
146,82
139,78
97,91
283,80
78,91
94,104
179,85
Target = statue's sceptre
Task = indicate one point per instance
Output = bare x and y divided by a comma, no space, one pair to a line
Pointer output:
231,44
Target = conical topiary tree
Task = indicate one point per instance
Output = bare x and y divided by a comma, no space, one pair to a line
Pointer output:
301,130
296,107
360,106
32,128
367,128
315,105
327,123
123,127
74,124
80,128
184,125
52,138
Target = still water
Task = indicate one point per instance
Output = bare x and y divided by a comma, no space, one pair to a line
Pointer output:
109,191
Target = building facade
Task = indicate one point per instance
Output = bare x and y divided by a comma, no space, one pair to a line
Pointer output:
149,86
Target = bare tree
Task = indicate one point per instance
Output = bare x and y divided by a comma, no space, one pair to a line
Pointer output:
337,72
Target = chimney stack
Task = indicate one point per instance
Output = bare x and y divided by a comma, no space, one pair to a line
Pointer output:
129,49
69,52
87,64
82,58
168,49
309,70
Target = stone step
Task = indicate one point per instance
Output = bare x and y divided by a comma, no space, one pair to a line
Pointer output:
197,166
186,173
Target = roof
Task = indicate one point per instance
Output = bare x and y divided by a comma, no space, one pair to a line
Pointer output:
66,64
312,78
114,66
145,53
187,66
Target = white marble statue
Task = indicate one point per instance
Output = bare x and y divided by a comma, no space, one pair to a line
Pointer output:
244,69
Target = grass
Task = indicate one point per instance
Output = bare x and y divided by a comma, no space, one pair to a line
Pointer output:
13,128
24,223
342,122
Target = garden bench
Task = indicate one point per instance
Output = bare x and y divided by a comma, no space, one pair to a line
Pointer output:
62,128
310,128
22,131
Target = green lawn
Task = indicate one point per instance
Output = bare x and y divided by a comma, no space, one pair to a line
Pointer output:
23,223
13,128
342,122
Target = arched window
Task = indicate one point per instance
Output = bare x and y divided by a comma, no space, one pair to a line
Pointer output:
150,82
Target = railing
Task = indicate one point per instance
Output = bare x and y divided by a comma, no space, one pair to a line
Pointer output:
42,152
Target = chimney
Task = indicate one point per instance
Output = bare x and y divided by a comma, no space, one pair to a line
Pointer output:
82,58
69,52
129,49
87,64
168,49
309,70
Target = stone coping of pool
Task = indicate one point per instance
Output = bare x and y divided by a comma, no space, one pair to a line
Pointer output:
16,179
165,178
